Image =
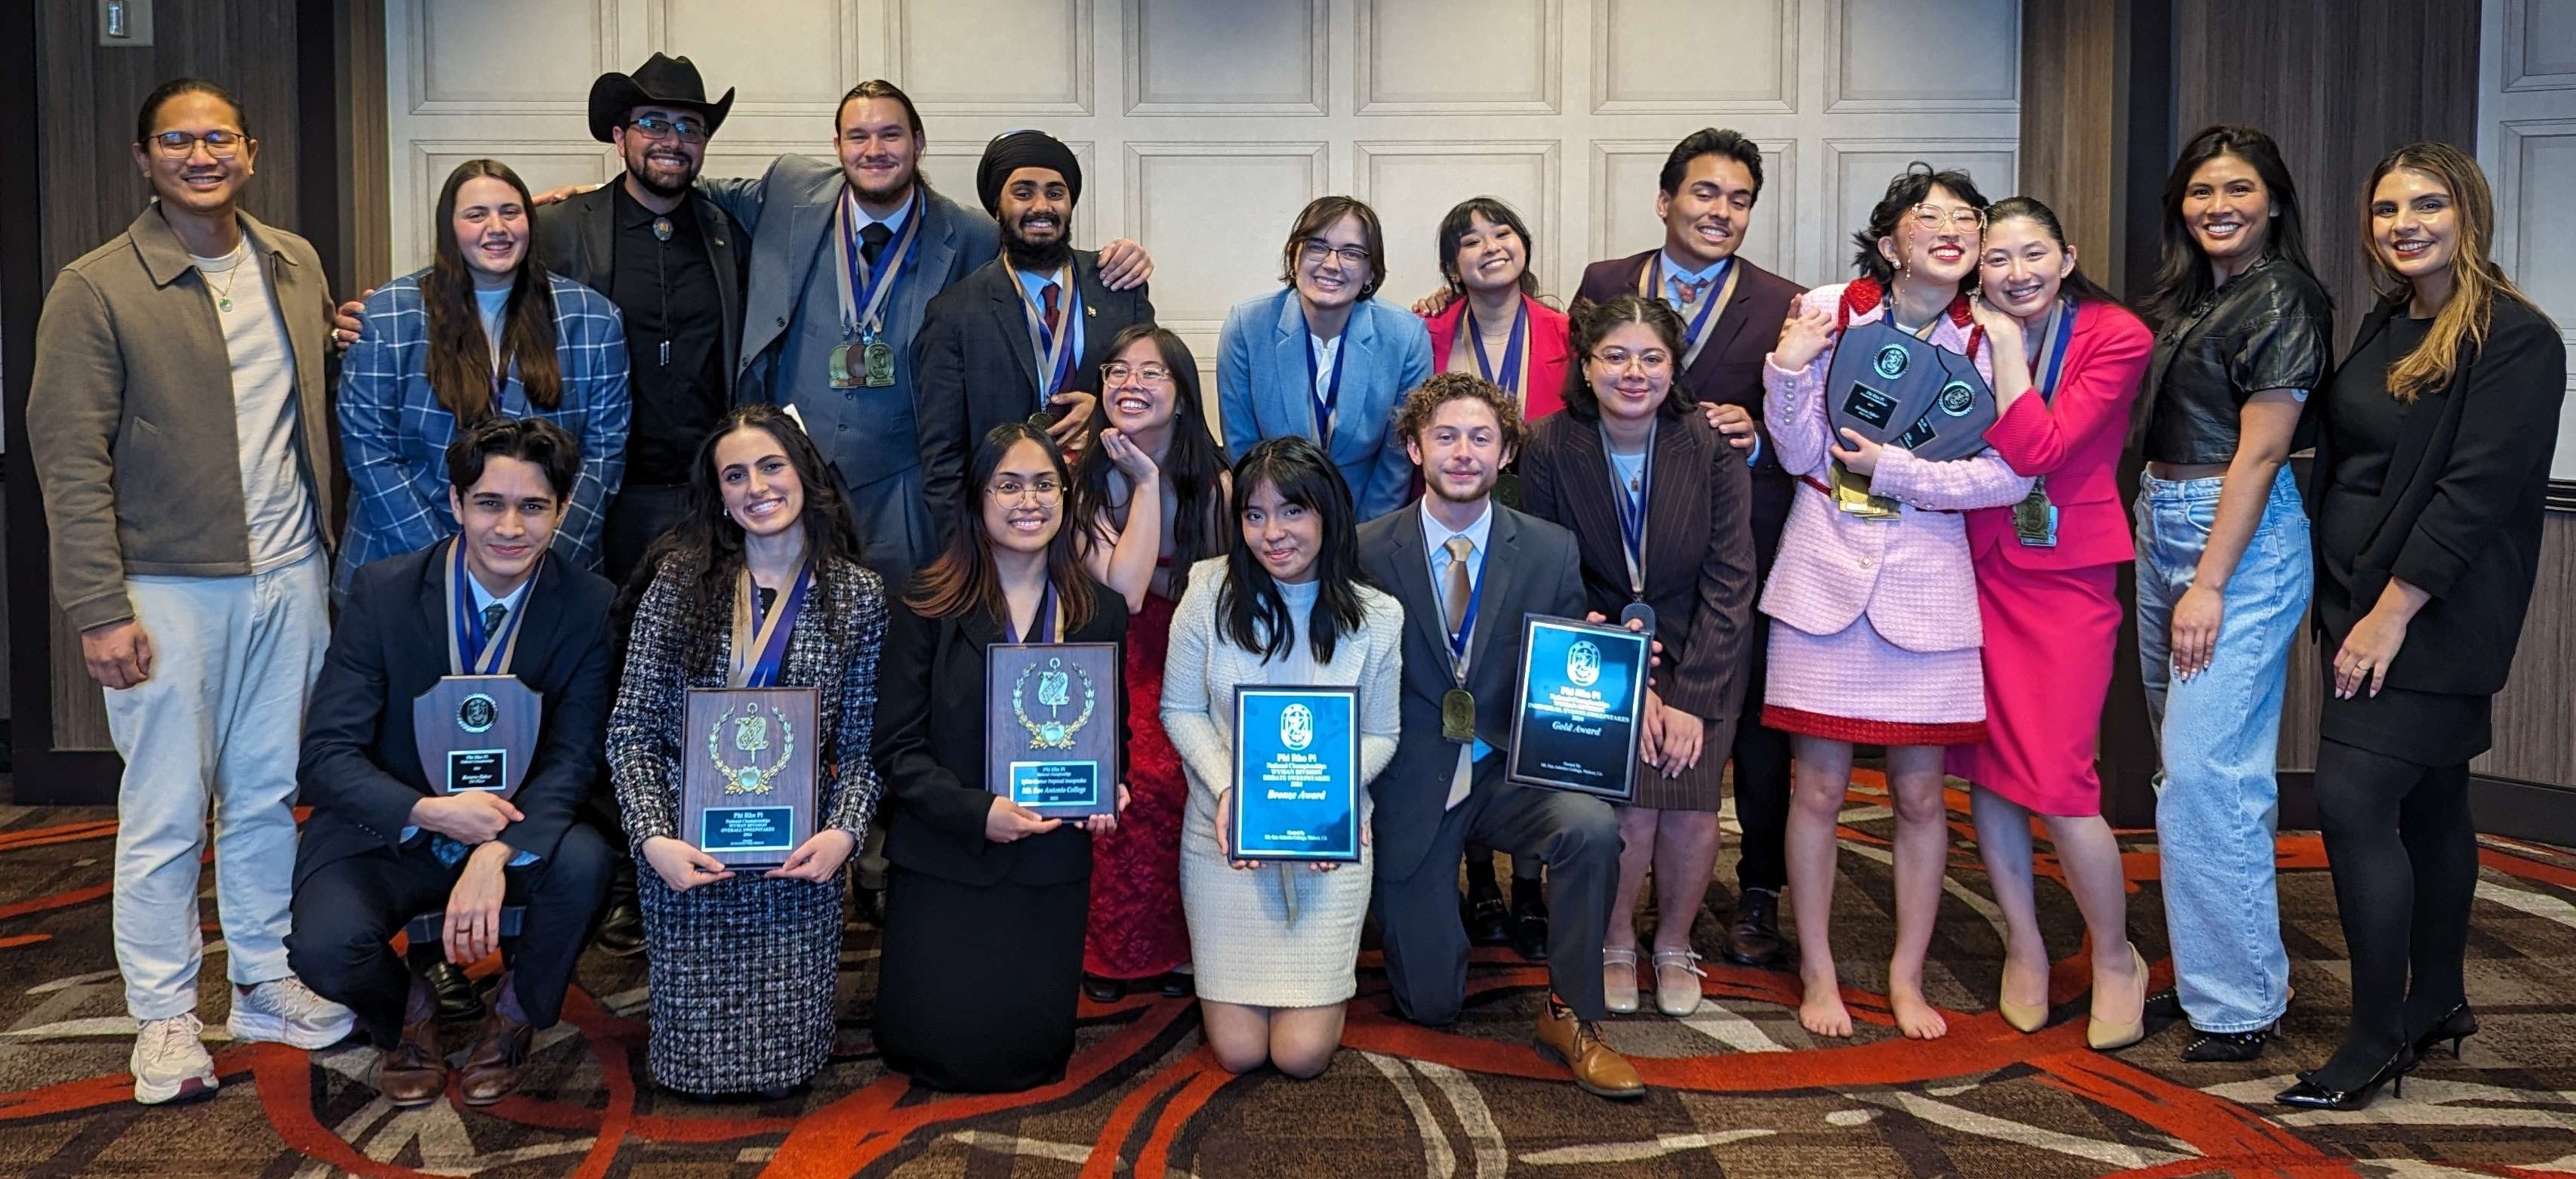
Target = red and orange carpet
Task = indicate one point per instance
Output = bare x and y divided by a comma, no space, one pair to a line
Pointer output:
1740,1089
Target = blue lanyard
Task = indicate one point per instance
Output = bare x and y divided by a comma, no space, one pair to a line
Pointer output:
1069,312
1510,381
865,302
1045,620
474,649
1707,301
1632,508
764,668
1332,395
1467,622
2057,353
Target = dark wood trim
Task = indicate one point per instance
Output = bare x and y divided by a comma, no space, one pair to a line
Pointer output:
42,774
319,178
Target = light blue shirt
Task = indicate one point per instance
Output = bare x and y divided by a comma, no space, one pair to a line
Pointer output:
1714,276
1435,541
483,599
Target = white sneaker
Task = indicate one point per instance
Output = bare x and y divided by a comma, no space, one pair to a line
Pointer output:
285,1011
170,1062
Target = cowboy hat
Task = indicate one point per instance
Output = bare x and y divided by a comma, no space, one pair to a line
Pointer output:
660,81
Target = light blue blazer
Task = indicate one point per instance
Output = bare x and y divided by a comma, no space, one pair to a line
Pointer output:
1263,392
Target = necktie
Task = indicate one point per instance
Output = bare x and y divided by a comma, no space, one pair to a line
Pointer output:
1046,295
1689,292
492,616
1455,587
872,240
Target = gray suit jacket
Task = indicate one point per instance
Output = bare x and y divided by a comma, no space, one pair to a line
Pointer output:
788,213
1533,567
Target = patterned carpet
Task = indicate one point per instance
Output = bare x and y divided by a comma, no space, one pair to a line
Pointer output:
1740,1089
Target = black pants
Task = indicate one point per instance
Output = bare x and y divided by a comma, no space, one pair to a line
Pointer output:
978,985
2405,860
346,914
639,515
1761,777
1426,946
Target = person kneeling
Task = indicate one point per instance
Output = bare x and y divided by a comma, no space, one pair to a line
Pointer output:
384,845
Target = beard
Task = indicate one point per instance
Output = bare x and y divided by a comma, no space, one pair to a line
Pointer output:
1029,255
660,179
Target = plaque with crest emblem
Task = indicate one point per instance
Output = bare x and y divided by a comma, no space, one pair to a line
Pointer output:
1052,732
1896,390
752,755
1582,689
476,733
1296,774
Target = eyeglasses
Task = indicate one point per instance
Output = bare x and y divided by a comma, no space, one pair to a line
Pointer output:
179,145
1619,359
657,127
1046,490
1117,371
1313,249
1934,218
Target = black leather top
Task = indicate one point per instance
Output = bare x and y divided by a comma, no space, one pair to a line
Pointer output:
2268,328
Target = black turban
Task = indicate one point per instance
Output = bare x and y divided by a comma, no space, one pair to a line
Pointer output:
1014,150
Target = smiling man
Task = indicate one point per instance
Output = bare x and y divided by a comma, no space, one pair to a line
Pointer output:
1026,333
384,845
182,441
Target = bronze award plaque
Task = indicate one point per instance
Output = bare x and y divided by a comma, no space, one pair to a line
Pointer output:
476,733
747,795
1051,726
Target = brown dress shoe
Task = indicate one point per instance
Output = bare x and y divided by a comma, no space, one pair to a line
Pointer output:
499,1058
412,1073
1755,940
1577,1045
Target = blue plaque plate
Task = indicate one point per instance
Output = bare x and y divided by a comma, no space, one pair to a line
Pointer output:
1582,686
737,829
1296,774
1057,785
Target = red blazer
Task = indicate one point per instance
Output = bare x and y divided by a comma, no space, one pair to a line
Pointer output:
1551,335
2074,439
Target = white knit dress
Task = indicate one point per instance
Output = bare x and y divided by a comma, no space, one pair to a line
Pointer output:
1244,943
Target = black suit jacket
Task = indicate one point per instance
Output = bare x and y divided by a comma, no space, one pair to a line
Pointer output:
1729,368
1699,562
2460,507
975,369
360,769
930,750
580,243
1531,567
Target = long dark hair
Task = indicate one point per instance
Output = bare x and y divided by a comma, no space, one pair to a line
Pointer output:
2183,275
1255,617
1593,321
705,547
965,579
1191,465
1454,227
1908,188
460,355
2074,285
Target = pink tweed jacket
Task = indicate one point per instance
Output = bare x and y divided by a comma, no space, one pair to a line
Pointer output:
1911,576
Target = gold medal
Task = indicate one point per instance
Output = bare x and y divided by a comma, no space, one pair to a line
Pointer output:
1852,494
1458,716
879,359
842,378
2035,519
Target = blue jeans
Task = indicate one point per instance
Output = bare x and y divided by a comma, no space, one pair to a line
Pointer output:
2219,732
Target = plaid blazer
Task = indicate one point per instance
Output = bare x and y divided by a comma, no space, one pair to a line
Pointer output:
394,433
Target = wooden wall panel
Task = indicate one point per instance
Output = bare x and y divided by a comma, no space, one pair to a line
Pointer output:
2069,145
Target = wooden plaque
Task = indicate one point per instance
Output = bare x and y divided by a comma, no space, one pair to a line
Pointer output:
748,789
1052,736
476,733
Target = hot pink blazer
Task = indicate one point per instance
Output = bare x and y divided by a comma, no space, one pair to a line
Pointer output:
1550,338
1911,576
2074,439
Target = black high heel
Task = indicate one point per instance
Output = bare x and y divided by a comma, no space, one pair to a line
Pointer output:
2460,1024
2307,1094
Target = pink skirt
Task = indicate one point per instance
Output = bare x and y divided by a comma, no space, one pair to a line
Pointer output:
1856,686
2050,639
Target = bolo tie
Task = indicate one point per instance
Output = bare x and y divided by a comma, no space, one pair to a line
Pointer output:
662,283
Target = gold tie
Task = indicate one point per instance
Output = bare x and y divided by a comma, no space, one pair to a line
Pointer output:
1454,592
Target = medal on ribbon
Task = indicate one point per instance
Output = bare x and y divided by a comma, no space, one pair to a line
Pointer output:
863,304
759,652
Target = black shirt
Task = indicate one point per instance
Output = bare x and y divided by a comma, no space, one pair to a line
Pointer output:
2364,425
2268,328
674,338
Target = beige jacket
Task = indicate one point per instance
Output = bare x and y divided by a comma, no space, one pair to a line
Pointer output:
130,416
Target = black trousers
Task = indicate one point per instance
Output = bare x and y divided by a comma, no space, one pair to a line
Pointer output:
346,914
2404,854
978,986
1761,777
636,518
1426,947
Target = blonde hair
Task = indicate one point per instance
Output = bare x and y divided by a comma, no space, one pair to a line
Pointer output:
2476,280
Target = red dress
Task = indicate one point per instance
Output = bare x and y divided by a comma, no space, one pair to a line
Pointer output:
1136,926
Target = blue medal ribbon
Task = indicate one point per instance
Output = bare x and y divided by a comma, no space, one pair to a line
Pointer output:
1332,394
860,306
1045,619
471,651
1510,381
1467,622
2055,361
1708,302
759,666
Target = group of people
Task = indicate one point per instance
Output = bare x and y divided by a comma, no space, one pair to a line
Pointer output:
830,429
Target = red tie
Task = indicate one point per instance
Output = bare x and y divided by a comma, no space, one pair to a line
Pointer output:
1689,290
1046,295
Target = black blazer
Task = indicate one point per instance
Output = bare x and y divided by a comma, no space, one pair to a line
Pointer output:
580,243
360,769
974,367
2460,510
1531,567
1699,564
1729,368
930,750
